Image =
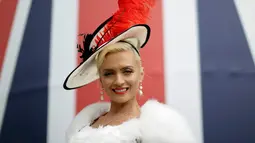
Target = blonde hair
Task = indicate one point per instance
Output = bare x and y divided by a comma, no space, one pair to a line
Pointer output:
117,47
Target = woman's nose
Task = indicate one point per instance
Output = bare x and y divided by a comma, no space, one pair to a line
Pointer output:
119,80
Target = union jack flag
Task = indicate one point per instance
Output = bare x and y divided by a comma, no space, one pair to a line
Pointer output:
200,60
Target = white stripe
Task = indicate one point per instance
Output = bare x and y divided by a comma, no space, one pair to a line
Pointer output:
182,62
246,11
12,52
61,103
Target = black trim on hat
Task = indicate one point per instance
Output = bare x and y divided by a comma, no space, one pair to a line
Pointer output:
131,46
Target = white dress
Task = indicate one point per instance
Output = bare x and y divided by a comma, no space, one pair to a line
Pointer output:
158,123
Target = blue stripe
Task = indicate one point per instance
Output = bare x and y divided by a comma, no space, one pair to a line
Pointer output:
228,75
25,119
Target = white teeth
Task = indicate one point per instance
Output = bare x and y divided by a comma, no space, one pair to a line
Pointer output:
122,90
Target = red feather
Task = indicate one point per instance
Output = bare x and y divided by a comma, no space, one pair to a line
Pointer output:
130,12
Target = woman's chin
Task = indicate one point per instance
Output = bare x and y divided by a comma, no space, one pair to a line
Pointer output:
120,99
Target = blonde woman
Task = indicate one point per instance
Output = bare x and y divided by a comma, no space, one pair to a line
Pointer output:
111,54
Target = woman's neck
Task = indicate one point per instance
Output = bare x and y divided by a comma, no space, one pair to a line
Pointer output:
131,107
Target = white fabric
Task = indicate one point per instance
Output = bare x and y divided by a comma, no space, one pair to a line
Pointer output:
158,123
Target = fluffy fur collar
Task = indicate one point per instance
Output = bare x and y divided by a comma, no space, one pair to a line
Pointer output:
158,123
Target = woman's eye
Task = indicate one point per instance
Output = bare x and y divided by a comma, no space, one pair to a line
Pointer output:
128,72
107,74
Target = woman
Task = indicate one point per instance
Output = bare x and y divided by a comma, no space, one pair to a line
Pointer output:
113,58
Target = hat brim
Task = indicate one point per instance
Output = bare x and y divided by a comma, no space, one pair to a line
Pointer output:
87,71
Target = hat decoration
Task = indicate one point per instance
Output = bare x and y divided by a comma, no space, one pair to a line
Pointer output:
129,21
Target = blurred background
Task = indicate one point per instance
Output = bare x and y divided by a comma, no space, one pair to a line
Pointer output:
199,60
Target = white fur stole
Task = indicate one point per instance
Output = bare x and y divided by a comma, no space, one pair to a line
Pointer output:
158,123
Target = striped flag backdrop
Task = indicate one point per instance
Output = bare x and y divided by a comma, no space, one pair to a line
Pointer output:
200,60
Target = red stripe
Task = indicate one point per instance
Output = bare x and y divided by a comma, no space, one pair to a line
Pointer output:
7,11
153,58
94,12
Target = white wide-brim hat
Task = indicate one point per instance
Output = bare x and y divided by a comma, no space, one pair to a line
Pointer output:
87,71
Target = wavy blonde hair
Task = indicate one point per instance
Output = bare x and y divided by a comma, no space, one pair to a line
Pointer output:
117,47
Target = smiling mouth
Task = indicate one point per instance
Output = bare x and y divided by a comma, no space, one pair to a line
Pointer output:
120,90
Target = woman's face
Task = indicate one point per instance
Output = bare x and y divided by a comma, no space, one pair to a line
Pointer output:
120,75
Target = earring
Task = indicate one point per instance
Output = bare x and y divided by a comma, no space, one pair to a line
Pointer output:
102,94
140,89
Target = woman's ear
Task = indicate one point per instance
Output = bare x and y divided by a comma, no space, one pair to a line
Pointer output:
100,83
98,73
100,80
